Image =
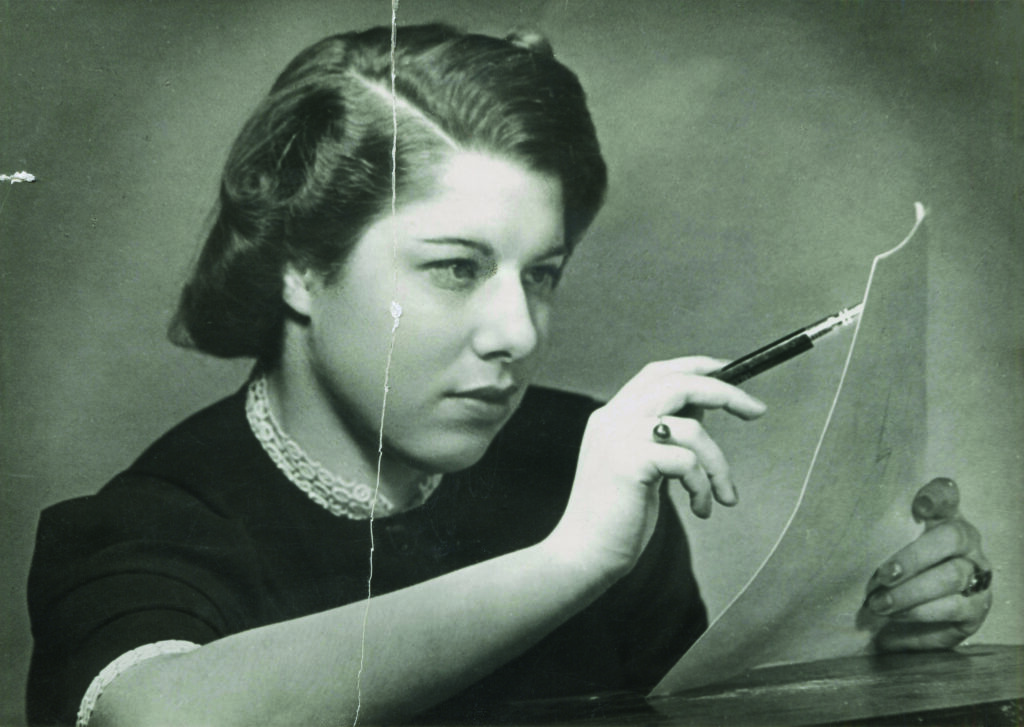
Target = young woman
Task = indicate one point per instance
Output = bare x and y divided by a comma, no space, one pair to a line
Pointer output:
389,257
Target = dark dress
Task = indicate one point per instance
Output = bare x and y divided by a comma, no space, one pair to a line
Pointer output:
203,537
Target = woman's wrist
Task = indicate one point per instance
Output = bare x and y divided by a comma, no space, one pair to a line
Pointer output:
572,556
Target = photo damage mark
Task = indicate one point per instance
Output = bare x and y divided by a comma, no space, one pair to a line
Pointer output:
396,315
17,177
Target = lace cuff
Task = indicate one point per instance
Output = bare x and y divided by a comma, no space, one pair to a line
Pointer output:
122,664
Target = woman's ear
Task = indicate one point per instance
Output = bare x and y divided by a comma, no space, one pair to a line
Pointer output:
298,286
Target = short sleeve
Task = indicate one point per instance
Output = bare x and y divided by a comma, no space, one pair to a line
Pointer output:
138,563
122,664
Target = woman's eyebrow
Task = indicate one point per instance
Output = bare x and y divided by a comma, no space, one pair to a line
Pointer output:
481,247
556,249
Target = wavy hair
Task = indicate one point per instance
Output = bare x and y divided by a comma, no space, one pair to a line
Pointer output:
312,167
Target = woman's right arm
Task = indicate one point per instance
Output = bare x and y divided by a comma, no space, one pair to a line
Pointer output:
407,651
401,653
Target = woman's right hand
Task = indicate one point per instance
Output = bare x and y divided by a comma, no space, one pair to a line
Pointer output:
614,502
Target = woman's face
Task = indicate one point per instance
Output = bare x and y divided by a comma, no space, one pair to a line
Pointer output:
473,263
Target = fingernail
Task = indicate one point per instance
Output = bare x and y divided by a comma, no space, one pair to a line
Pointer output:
938,500
923,508
880,603
890,572
730,497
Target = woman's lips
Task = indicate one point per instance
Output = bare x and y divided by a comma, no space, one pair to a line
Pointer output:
489,402
490,394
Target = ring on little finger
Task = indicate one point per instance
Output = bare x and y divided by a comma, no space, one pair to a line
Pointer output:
661,432
979,581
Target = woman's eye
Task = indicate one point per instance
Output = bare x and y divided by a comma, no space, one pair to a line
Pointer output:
543,276
454,273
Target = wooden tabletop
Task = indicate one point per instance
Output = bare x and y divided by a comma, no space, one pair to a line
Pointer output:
976,686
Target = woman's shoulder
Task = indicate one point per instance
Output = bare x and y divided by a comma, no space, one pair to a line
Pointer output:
213,456
184,495
205,438
197,464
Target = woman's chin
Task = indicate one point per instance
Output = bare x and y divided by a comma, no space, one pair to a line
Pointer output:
448,452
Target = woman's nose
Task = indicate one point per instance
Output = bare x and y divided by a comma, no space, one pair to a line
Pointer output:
506,327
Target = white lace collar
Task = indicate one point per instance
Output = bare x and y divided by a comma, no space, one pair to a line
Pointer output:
345,498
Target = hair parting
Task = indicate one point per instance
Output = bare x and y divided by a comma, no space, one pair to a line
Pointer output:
320,158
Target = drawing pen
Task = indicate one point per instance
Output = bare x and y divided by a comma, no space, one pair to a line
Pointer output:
785,348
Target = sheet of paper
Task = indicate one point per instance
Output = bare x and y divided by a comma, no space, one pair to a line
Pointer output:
805,601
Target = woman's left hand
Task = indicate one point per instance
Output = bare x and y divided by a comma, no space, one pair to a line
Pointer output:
934,592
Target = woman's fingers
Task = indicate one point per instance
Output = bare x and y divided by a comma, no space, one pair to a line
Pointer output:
687,453
693,479
682,464
699,365
914,636
934,592
944,540
634,443
688,390
967,611
946,580
935,502
667,387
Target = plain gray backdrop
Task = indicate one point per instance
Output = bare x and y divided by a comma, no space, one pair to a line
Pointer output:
761,154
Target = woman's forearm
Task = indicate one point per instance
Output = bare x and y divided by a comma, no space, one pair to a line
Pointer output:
420,645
